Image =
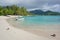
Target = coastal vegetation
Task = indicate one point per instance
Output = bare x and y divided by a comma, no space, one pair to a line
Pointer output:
17,10
13,10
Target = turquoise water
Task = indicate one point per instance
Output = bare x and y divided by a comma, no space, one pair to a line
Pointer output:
37,20
40,22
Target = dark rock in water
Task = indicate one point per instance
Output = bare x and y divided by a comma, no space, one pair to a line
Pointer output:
16,19
53,35
7,28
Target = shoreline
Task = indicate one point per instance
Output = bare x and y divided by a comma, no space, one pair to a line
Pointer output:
14,33
42,32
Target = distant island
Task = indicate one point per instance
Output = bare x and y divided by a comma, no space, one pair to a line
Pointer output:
15,10
40,12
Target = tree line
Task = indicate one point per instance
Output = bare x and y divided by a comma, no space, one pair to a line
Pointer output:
13,10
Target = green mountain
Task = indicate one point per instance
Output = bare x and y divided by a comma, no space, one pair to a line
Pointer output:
40,12
51,13
37,12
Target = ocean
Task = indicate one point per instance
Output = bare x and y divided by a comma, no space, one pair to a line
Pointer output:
42,22
36,22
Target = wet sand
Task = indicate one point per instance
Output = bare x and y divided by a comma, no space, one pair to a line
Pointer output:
45,32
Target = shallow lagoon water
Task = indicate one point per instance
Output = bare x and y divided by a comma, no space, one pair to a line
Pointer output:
37,22
46,22
31,20
39,25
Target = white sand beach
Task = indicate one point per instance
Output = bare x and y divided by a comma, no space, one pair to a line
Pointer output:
46,30
15,33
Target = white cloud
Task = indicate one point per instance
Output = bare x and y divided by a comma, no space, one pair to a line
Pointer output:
33,9
10,2
47,7
55,7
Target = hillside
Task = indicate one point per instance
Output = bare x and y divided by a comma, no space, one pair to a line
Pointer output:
40,12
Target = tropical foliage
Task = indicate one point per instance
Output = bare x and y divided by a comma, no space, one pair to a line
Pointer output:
13,10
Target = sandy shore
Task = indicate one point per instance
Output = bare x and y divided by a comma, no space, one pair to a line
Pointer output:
41,32
45,33
15,33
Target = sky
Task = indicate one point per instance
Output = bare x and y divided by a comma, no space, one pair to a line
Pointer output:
53,5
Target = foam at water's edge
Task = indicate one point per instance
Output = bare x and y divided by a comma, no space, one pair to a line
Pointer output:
20,24
37,31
